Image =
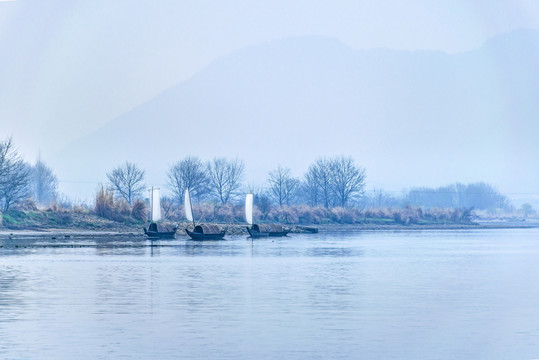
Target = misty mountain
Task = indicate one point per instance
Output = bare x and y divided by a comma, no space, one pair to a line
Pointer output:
411,118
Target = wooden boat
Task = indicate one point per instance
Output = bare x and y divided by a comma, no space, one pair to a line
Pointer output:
206,232
261,230
277,230
201,231
160,231
156,230
258,231
308,229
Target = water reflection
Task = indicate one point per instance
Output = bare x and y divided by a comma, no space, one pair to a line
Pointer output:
12,285
110,247
297,245
386,295
333,252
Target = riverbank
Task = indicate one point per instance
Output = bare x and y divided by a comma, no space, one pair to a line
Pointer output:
131,231
87,224
54,221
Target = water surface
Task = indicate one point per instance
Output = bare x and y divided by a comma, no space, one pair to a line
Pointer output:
369,295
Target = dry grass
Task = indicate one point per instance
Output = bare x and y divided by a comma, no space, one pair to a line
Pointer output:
118,210
107,207
138,211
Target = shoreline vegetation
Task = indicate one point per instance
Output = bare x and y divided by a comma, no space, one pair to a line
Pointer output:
82,222
331,195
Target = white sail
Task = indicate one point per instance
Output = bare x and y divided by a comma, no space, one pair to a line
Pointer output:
187,206
249,209
155,204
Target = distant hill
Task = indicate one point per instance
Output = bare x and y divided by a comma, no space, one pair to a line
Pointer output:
411,118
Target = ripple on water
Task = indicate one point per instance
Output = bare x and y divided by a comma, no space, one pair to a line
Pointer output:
414,295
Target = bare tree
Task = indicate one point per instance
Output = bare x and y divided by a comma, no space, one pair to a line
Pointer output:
14,176
188,173
348,180
44,183
225,178
127,181
263,203
378,198
477,195
320,174
310,189
283,187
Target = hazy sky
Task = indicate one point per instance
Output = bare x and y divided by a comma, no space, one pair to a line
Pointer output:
68,67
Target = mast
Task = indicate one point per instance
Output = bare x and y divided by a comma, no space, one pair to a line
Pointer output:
151,204
191,204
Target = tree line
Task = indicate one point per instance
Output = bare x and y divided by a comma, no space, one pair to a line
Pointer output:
477,195
480,196
329,182
22,182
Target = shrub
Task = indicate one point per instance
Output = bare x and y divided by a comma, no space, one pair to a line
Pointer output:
122,208
26,205
138,212
224,213
285,214
80,209
104,203
306,215
344,215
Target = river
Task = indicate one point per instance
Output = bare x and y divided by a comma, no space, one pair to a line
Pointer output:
466,294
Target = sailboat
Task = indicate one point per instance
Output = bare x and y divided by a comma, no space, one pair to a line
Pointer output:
261,230
254,230
155,230
201,231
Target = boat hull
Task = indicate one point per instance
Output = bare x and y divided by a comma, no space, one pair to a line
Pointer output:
203,236
263,230
278,233
155,235
256,234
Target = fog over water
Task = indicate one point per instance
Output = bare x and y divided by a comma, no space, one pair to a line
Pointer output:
419,93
